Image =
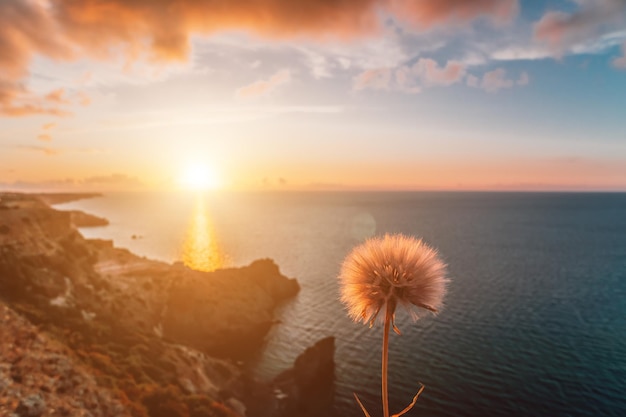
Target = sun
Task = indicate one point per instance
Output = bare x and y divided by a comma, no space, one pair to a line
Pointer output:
199,177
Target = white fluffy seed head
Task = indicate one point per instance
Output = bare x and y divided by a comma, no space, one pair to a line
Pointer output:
393,270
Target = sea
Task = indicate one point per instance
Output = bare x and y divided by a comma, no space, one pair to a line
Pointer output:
534,322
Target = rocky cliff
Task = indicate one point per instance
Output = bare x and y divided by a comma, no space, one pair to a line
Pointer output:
156,339
226,312
41,377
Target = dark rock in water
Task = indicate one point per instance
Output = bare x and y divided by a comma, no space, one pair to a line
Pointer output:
315,367
309,385
306,390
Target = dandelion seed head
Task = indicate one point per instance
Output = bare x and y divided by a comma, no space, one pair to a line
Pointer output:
392,270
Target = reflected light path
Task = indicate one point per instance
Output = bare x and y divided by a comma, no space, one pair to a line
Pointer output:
200,248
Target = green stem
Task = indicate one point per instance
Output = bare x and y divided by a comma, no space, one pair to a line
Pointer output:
385,392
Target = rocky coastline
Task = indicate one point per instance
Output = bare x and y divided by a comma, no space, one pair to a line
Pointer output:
136,337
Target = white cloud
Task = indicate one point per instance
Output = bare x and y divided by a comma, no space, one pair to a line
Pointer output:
521,53
412,79
472,81
431,74
496,80
345,63
317,63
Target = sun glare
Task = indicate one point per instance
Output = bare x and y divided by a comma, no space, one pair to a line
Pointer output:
199,177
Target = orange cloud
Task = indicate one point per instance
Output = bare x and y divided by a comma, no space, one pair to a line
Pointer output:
552,28
26,28
410,79
424,14
84,99
376,79
168,23
46,151
16,101
262,87
160,30
560,30
430,73
45,135
56,96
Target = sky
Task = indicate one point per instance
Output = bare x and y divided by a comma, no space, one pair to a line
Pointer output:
313,94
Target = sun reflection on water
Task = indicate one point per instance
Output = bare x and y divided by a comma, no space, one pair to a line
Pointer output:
201,250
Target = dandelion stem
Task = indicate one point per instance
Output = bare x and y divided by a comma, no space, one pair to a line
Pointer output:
385,393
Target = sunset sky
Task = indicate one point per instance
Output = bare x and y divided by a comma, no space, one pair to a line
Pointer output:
313,94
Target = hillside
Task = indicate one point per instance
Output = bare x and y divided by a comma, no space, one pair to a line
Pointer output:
146,337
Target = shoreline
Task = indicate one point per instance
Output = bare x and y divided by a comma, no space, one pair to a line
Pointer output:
141,322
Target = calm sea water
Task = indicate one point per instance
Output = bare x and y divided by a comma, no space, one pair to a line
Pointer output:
535,318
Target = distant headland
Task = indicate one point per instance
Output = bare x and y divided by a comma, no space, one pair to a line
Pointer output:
61,198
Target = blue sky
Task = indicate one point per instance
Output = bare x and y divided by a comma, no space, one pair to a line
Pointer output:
379,94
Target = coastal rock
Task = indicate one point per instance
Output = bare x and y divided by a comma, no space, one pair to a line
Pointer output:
308,387
315,367
40,251
31,406
227,312
38,375
31,227
102,304
304,390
